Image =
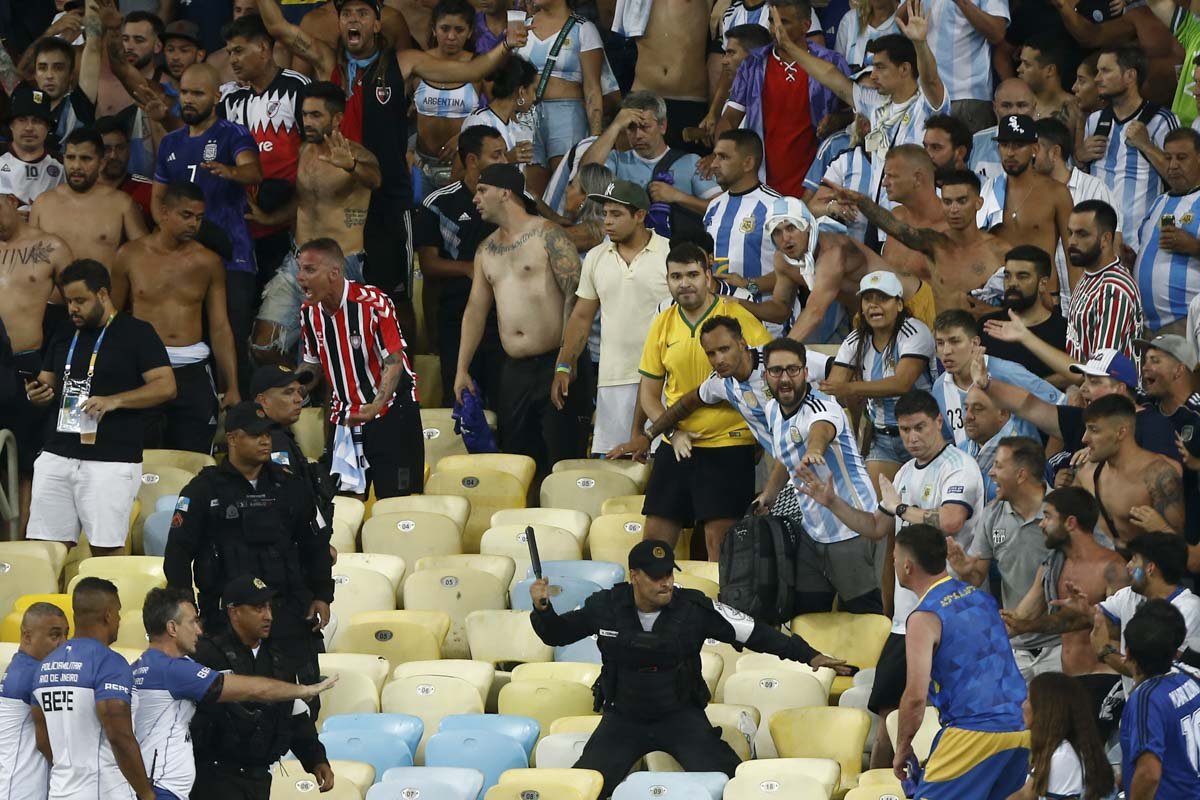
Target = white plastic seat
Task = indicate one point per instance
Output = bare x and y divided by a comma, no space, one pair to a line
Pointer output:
457,592
577,522
479,674
430,697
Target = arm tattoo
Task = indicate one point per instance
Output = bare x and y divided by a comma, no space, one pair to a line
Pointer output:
1061,621
9,75
393,364
564,263
919,239
933,517
1166,491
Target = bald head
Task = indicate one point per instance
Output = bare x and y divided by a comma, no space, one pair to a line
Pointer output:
198,93
1013,96
43,628
915,157
202,75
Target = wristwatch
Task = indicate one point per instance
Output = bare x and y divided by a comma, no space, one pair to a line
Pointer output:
752,288
1106,651
902,509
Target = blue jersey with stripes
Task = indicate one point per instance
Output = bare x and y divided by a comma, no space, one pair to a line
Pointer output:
789,442
1167,281
748,397
1125,171
973,682
827,151
952,400
964,57
1162,717
912,341
24,773
737,223
851,169
985,154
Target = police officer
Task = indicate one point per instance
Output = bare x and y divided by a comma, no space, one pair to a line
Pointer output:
236,743
650,690
251,516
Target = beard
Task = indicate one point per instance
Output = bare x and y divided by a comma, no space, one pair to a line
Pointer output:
1085,257
1019,170
194,116
1015,301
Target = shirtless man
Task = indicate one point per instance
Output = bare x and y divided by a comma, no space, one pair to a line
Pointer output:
30,261
530,269
334,181
960,259
1041,64
1136,490
176,284
672,61
219,59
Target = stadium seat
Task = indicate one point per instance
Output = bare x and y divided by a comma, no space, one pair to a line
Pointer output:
523,730
430,783
560,750
389,566
488,491
133,630
55,553
25,573
858,697
625,504
477,673
501,566
857,638
185,460
729,658
566,594
344,538
520,467
767,661
457,592
586,782
130,654
359,773
457,509
438,429
10,630
166,503
156,482
683,785
398,636
359,590
554,544
923,740
400,727
585,649
612,536
545,788
636,471
579,723
843,736
349,509
133,575
289,781
309,431
430,697
505,637
545,700
487,751
711,667
771,691
380,751
411,535
824,771
373,667
354,693
568,519
744,720
603,573
688,580
795,787
578,672
584,489
155,532
875,792
879,777
709,570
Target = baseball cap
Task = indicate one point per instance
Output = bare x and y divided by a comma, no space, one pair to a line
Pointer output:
247,416
1109,363
30,102
881,281
374,4
654,557
787,209
246,590
625,193
1017,128
182,29
1173,345
506,176
275,376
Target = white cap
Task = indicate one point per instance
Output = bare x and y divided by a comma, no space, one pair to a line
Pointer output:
881,281
787,209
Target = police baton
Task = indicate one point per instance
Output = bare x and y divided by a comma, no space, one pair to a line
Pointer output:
534,559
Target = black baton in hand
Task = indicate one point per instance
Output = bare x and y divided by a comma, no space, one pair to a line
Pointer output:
534,559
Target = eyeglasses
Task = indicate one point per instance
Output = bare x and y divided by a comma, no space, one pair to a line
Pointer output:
791,369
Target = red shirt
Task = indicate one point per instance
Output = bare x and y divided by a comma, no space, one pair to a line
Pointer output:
790,141
352,119
141,189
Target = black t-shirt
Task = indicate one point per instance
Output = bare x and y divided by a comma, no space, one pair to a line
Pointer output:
1153,431
1053,332
449,221
130,348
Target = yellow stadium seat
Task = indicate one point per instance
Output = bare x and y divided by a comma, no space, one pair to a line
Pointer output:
505,637
760,661
156,482
309,431
349,509
55,553
389,566
793,787
520,467
440,438
584,489
545,789
25,573
457,592
376,668
771,691
636,471
729,659
824,771
130,654
290,782
411,535
554,544
359,774
479,674
568,519
356,590
843,735
430,697
344,538
625,504
133,632
586,782
354,693
429,369
690,580
923,741
448,505
576,671
711,667
500,566
398,636
134,576
709,570
582,723
11,629
857,638
488,490
545,700
185,460
7,651
612,536
876,792
879,777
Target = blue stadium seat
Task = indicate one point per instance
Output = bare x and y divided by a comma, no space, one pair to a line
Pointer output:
489,752
571,594
364,744
523,730
584,650
436,783
405,727
166,502
604,573
689,785
155,530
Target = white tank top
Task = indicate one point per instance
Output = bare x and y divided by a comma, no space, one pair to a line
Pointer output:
455,103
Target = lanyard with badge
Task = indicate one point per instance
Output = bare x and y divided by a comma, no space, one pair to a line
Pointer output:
71,417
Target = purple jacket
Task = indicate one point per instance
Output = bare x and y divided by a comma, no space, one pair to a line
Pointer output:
485,40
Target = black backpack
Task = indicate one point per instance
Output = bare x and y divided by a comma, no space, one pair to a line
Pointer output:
686,224
758,568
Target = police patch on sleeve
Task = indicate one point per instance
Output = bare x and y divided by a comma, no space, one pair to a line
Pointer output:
182,504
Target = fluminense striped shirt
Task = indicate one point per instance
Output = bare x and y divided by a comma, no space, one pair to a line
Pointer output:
1105,311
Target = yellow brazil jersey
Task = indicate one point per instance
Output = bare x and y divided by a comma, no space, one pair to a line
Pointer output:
673,353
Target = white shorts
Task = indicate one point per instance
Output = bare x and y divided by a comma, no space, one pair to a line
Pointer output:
614,416
1049,659
69,494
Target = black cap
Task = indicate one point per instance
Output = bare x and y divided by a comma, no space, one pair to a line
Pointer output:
182,29
654,557
506,176
276,376
247,416
1017,128
374,4
246,590
29,102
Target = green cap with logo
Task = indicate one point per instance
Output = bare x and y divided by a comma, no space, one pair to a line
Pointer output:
625,193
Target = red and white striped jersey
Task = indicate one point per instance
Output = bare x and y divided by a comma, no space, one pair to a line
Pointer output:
273,119
1105,312
351,344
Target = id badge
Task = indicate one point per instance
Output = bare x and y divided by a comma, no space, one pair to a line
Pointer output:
71,416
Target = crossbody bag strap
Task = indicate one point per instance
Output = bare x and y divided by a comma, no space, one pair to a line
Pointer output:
552,56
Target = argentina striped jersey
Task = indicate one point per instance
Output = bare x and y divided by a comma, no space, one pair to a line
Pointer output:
736,222
1166,280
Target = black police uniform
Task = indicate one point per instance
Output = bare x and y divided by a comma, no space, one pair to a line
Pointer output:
236,743
651,689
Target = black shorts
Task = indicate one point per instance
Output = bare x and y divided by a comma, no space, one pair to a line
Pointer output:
685,114
394,446
891,673
23,418
530,425
387,239
715,483
188,422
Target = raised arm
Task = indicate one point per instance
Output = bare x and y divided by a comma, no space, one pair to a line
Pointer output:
916,29
1016,332
1092,35
923,240
416,63
311,49
564,265
597,152
89,59
823,71
246,169
1014,399
248,689
355,159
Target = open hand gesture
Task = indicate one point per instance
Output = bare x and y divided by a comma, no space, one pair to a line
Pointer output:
341,155
917,27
